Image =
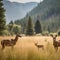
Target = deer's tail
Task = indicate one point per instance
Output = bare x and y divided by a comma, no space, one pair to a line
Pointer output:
2,43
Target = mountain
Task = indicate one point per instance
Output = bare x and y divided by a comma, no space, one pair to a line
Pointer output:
46,9
48,12
16,10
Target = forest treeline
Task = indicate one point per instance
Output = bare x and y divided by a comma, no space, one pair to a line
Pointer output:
32,24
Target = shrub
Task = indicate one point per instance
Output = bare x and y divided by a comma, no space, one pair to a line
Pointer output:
45,33
5,32
59,32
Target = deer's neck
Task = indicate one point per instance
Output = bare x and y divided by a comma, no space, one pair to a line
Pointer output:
16,38
54,42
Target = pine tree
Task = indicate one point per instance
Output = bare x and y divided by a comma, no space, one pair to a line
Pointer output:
29,30
48,29
10,25
38,27
2,18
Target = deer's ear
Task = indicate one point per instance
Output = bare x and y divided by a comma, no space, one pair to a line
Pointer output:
51,35
17,33
55,35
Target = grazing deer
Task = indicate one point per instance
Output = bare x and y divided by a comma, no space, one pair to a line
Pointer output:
39,46
56,44
8,42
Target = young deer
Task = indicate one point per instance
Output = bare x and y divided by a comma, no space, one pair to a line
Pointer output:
8,42
56,44
39,46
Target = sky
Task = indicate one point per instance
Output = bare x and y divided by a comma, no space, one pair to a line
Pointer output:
24,1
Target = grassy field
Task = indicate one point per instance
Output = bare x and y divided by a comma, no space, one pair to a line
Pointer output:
25,49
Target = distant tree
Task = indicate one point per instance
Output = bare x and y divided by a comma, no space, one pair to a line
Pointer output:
10,25
48,29
2,17
38,27
23,28
59,32
16,29
29,30
11,22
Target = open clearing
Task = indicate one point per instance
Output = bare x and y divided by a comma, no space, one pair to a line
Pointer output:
25,49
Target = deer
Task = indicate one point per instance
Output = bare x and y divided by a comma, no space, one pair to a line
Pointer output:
11,42
56,44
39,46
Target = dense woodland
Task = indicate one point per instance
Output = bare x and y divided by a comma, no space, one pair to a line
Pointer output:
45,18
48,13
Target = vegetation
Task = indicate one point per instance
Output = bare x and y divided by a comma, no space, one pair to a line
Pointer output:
26,50
10,27
38,27
45,33
29,30
59,32
49,15
2,18
13,28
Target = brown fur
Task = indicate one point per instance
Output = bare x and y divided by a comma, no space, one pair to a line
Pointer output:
8,42
39,46
56,44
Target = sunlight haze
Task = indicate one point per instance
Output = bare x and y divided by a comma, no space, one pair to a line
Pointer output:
24,1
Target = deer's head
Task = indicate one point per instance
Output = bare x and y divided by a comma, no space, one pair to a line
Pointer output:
18,35
54,37
36,43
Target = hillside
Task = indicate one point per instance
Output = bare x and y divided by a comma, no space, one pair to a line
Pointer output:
46,9
48,13
15,10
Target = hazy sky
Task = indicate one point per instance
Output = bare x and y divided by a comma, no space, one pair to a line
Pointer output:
24,1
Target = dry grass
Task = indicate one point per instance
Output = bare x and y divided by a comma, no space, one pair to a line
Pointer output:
26,50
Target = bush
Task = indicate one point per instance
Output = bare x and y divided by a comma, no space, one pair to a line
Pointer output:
53,34
59,32
16,29
5,32
45,33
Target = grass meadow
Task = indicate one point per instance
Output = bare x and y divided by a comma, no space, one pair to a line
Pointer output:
25,49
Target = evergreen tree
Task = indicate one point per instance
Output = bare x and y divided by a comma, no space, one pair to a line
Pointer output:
38,27
11,22
10,25
48,29
2,18
29,30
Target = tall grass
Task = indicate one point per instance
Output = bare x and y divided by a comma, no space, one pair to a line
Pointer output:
29,52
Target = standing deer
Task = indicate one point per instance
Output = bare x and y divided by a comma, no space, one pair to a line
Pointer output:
39,46
8,42
56,44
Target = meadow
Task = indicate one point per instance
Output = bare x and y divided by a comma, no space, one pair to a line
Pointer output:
25,49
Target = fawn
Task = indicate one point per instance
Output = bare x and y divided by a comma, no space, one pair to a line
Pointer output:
39,46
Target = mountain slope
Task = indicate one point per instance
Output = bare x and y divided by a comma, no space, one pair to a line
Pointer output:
46,9
48,13
16,10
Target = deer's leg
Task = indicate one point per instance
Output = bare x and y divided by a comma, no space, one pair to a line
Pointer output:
56,48
42,48
3,46
12,47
